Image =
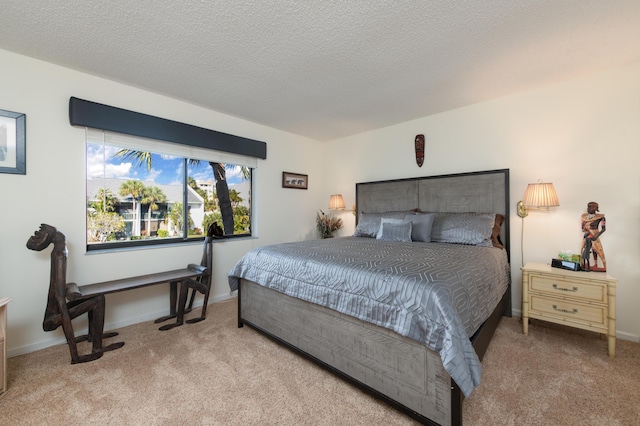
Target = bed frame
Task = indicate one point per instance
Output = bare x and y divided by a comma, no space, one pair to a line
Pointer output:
398,370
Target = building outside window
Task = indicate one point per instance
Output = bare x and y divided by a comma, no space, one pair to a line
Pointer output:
142,192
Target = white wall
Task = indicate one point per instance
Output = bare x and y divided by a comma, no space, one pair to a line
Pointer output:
53,192
583,135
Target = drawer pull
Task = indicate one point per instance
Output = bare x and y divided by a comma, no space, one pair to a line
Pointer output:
574,289
566,311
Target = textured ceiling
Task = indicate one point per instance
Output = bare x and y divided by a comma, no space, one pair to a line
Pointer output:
327,69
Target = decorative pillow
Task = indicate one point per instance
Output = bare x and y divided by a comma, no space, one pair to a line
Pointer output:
387,220
369,223
463,228
395,231
421,226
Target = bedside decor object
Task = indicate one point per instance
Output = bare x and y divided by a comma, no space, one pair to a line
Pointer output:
13,142
327,224
593,226
295,180
569,255
538,196
419,147
336,202
565,264
574,299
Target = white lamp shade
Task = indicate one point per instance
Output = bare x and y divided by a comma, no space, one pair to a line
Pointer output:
336,202
540,195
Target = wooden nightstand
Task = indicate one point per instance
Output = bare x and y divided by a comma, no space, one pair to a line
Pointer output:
585,300
3,344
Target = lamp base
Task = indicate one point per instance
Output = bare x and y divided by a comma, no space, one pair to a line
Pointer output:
522,210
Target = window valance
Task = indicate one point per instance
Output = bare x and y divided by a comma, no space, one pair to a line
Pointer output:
104,117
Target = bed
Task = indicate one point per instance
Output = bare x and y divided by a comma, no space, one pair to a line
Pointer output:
416,338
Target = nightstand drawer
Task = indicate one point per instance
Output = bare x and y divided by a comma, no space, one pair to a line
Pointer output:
571,311
565,288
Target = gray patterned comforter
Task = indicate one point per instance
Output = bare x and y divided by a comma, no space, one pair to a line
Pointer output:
435,293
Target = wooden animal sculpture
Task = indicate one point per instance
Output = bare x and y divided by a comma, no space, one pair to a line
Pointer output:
201,284
59,311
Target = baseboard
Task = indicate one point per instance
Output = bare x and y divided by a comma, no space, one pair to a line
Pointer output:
627,336
110,326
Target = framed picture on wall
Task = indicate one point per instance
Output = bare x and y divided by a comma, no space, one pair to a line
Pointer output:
294,180
12,142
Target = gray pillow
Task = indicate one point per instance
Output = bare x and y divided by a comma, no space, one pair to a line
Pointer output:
421,225
369,223
387,220
396,231
463,228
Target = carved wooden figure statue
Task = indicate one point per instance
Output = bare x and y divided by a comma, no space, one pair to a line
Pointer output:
593,226
419,147
59,311
202,284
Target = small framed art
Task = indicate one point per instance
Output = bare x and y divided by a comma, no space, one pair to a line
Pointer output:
12,142
294,180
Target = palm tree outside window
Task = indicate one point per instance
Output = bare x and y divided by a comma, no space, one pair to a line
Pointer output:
179,196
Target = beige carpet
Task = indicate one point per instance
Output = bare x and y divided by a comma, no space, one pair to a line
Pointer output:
216,374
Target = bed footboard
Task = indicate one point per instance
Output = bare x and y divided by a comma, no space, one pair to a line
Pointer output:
396,369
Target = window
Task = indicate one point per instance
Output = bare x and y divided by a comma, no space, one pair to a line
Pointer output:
145,192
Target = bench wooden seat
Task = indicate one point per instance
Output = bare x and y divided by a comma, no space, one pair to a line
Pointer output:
75,292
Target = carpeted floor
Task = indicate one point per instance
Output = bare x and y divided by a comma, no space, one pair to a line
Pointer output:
216,374
555,376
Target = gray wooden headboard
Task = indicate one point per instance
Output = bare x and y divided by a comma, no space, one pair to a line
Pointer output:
481,192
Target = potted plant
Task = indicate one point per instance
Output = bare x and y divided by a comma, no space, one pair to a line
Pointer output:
327,224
